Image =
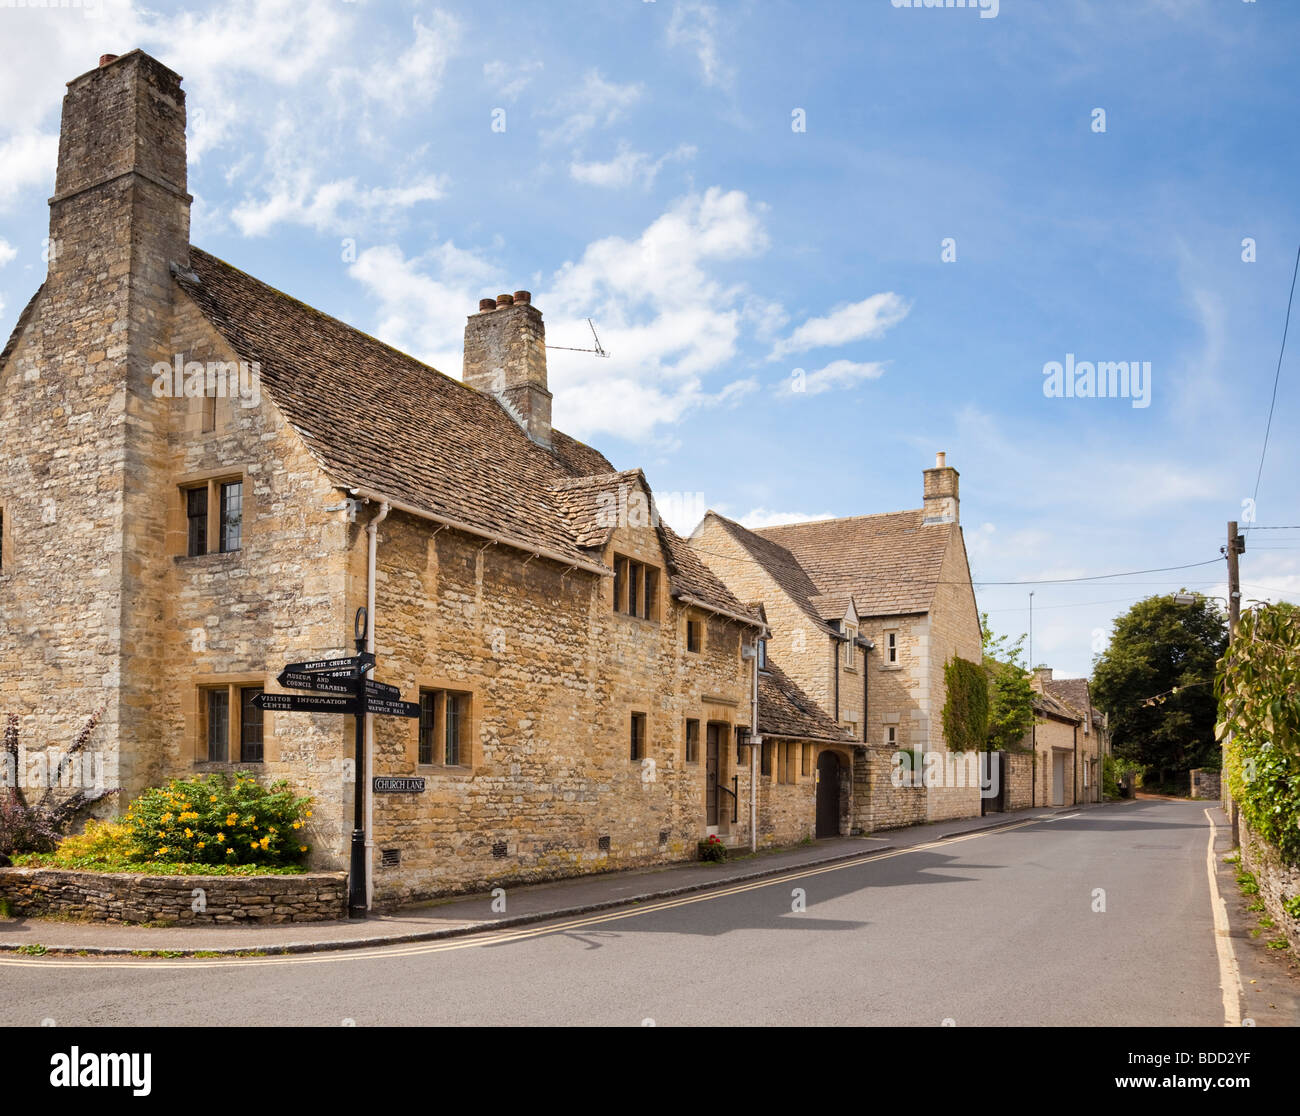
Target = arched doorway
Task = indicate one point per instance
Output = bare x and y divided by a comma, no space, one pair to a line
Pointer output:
828,794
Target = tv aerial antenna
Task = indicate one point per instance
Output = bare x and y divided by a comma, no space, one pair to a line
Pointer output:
599,350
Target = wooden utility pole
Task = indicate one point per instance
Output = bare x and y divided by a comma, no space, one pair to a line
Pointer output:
1236,545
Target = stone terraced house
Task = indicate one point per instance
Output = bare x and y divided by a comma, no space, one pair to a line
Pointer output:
203,479
864,613
1070,741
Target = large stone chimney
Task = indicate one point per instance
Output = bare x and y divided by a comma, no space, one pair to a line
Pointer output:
941,503
505,357
120,202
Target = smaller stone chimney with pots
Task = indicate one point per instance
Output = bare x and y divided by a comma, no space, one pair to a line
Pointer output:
941,502
505,357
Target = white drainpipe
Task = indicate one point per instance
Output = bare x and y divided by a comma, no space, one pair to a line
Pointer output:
372,530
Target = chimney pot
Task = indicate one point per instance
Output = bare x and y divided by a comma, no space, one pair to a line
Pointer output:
940,460
105,59
505,300
524,296
487,304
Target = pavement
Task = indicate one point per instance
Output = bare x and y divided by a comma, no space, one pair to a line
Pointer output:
473,914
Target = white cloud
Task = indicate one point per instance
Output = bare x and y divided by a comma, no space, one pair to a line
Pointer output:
510,79
759,518
29,159
857,321
837,374
627,168
7,252
595,103
405,83
695,26
424,301
331,206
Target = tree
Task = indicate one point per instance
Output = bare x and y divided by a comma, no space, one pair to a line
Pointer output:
966,707
1011,697
1155,681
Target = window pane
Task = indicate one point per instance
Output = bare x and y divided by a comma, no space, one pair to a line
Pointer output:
649,606
692,741
633,587
762,654
638,735
232,516
196,513
218,713
765,759
250,726
620,580
428,716
455,719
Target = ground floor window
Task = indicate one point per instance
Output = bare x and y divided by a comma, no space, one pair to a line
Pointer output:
231,724
444,728
692,741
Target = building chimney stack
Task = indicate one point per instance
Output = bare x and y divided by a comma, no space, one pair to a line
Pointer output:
105,59
505,357
940,492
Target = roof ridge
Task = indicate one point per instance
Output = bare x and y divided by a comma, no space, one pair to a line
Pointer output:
841,519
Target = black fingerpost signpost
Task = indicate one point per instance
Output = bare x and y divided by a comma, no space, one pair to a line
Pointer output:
341,686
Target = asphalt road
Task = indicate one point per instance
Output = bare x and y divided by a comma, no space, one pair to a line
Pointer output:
989,929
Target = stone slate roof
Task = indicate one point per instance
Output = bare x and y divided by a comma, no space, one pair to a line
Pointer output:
781,566
1048,706
377,418
833,606
785,711
1074,693
889,563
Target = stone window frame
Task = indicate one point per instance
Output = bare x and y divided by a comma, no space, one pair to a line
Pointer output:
470,756
624,565
195,713
787,770
696,621
178,519
638,742
692,754
891,736
886,663
850,647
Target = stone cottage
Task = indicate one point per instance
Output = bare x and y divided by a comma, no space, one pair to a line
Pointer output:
1069,741
864,613
203,479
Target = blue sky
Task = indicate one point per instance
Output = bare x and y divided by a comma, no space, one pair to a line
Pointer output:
645,171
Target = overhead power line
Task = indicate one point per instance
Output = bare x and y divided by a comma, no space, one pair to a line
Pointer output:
1276,376
1099,577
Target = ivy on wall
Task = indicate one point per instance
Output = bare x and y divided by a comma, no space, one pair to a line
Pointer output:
966,710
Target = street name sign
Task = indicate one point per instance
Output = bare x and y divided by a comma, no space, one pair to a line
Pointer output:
387,784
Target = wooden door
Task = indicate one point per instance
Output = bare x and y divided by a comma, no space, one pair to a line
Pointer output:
711,753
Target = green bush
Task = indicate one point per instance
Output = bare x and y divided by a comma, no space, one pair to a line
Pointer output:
216,820
966,710
1265,782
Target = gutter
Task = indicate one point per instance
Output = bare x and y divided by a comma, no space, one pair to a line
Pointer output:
695,602
503,540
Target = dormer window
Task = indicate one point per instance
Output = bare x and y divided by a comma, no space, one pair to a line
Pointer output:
762,654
